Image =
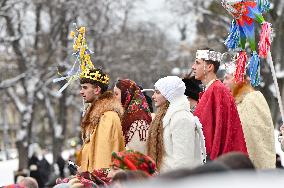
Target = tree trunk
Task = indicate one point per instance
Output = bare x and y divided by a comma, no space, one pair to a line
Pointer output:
57,147
23,155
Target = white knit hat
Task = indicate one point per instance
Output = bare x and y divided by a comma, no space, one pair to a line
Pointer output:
170,87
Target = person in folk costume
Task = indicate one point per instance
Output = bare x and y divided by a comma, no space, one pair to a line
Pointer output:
192,91
101,125
137,117
256,120
216,108
175,139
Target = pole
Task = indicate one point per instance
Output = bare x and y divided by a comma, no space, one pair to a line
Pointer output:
269,60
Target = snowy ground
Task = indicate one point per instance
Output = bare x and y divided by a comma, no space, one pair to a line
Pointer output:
6,171
8,167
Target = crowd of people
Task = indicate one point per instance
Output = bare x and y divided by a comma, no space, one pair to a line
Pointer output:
201,125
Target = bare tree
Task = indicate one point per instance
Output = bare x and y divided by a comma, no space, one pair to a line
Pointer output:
34,53
37,45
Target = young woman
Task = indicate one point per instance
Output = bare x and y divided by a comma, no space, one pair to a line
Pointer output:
137,117
175,138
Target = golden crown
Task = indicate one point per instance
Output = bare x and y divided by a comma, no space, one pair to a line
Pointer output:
96,75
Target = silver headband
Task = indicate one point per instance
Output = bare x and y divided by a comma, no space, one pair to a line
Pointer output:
209,55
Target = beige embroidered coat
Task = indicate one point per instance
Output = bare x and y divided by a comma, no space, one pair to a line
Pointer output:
258,127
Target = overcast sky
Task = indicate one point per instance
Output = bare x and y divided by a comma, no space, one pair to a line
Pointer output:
158,12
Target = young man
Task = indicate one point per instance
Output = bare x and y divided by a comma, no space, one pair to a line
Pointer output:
101,124
256,121
216,108
175,140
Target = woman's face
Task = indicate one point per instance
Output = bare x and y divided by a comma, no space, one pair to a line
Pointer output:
158,98
117,93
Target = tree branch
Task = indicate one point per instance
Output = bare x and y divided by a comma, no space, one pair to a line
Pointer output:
16,100
10,82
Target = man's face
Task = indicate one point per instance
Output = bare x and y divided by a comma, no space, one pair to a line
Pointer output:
199,69
158,98
229,81
88,92
117,93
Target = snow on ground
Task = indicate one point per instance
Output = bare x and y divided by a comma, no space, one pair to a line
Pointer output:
8,167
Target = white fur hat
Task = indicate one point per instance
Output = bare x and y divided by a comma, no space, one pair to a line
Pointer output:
170,87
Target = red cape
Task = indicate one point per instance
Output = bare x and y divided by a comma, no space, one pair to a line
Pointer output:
221,123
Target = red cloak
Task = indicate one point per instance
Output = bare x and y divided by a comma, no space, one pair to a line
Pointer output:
221,123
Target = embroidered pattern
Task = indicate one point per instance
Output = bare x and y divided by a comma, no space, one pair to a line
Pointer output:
141,127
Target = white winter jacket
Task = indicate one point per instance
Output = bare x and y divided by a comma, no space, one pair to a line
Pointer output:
183,137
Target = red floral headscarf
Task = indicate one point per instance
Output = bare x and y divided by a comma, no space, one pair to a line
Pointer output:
135,105
134,160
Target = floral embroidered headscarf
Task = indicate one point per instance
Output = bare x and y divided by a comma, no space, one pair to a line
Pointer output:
134,160
135,106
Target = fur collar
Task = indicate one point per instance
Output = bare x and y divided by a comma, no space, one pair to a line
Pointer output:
240,91
105,102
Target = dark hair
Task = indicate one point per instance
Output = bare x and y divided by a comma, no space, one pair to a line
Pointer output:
216,64
129,175
103,86
278,161
236,161
148,99
210,167
118,83
193,88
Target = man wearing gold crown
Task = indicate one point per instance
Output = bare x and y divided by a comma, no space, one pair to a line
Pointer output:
101,124
216,108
